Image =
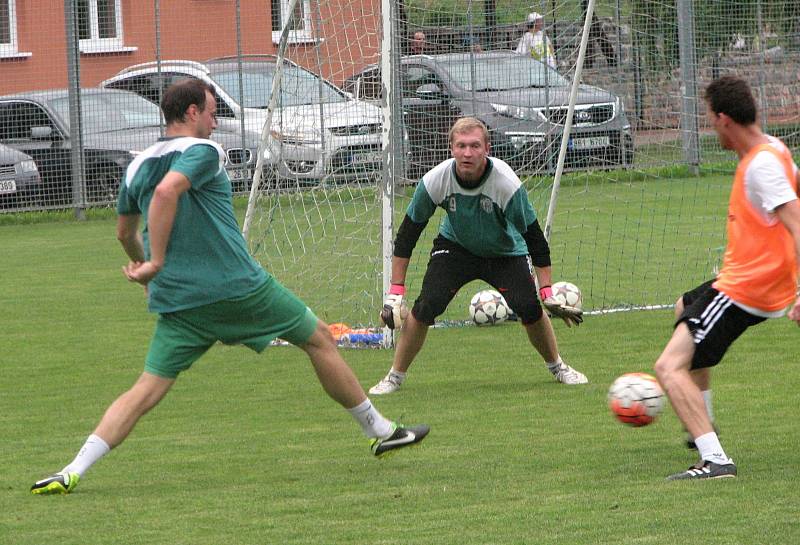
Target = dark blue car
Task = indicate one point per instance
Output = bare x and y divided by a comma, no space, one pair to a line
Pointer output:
117,126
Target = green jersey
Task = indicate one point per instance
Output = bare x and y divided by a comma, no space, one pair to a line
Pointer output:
207,258
488,220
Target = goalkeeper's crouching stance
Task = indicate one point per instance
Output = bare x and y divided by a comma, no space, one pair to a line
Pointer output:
490,233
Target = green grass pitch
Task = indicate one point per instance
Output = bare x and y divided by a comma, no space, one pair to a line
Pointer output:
247,449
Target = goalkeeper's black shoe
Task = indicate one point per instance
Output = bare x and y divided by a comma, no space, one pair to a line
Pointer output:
690,444
401,436
60,483
706,470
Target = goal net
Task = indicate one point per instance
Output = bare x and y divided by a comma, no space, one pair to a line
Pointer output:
315,218
641,182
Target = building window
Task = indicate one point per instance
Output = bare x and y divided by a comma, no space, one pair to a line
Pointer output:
8,27
299,21
99,25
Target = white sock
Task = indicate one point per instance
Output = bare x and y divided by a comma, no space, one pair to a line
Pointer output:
93,449
554,365
398,376
709,407
710,449
372,422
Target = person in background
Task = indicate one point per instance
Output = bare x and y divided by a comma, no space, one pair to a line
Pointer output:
417,44
598,38
535,42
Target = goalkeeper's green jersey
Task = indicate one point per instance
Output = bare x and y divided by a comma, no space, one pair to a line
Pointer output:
488,220
207,258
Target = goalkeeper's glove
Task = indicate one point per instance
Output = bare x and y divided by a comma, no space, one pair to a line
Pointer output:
394,310
570,315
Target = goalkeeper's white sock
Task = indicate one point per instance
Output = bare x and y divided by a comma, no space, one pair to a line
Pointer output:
555,365
398,377
372,422
93,449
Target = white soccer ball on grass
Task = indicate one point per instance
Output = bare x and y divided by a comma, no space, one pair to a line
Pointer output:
488,307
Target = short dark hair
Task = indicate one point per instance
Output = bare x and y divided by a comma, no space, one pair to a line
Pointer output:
732,96
182,94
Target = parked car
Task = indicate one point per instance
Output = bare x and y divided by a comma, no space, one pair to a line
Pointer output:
522,101
317,131
19,179
117,125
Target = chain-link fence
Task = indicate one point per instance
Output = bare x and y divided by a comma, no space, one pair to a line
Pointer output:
80,85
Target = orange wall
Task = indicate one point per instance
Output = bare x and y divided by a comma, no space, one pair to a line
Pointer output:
190,29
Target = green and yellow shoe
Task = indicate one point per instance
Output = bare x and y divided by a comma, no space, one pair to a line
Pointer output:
60,483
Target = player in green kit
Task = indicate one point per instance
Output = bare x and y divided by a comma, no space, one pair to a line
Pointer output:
204,285
489,232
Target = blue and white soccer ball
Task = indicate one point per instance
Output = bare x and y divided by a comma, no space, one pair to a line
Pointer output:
488,307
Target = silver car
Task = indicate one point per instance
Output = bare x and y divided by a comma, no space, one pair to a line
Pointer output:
19,179
318,132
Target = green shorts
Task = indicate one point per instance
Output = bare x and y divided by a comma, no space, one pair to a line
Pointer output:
253,320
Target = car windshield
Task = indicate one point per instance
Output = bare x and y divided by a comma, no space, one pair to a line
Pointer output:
298,86
502,73
104,112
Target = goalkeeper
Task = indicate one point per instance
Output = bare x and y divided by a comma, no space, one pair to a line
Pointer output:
489,232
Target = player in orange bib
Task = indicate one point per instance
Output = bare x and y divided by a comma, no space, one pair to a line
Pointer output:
758,279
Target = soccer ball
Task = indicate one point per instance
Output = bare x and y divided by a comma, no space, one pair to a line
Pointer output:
488,307
567,294
636,399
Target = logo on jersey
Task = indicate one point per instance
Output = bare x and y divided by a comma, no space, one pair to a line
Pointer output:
452,204
486,204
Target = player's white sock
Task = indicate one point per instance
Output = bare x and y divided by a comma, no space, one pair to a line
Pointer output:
372,422
93,449
709,407
710,449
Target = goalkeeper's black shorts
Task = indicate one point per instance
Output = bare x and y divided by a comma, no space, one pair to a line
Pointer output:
451,266
714,321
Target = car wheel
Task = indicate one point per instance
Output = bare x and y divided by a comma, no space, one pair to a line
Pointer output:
103,184
629,156
627,152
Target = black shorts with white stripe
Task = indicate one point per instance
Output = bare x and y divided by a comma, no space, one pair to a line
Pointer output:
714,322
451,266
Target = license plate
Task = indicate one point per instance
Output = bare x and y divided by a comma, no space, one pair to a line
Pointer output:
8,186
590,142
366,158
237,174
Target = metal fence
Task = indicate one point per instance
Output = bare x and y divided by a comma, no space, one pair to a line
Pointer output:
80,88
